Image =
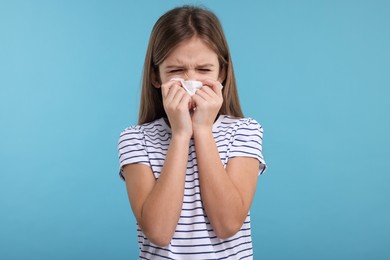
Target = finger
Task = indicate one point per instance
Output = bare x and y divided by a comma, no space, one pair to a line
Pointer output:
197,99
205,93
171,92
181,102
165,88
215,85
178,96
169,88
185,101
177,81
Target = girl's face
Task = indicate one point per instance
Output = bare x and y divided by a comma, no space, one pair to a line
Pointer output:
192,59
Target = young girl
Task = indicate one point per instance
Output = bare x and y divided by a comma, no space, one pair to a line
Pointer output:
191,165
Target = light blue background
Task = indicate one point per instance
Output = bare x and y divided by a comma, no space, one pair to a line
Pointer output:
315,74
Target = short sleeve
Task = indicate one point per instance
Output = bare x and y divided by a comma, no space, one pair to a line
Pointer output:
248,142
132,148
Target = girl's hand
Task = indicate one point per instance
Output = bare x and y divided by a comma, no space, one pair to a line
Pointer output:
176,103
208,101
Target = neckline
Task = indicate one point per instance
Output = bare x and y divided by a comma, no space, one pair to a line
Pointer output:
217,122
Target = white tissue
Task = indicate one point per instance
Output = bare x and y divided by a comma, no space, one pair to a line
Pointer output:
191,86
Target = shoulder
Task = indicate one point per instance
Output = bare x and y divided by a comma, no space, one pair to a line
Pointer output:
245,123
141,130
131,134
131,130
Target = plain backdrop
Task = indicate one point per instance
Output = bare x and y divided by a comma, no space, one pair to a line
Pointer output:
315,74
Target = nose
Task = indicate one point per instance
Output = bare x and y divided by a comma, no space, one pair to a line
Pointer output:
190,75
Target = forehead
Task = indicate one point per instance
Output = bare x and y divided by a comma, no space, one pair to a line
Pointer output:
191,51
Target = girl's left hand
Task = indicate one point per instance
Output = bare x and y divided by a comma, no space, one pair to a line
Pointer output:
207,101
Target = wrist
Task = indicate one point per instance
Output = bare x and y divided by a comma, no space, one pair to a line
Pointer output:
203,131
181,137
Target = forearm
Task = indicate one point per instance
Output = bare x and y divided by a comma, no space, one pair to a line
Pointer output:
221,198
161,210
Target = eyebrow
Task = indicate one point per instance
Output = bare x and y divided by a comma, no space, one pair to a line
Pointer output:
200,65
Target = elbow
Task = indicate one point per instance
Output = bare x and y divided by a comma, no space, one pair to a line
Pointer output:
158,232
228,230
158,238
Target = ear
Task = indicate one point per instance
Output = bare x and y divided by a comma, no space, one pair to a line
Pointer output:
156,82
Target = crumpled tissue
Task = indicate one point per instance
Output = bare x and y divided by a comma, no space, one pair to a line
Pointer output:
191,86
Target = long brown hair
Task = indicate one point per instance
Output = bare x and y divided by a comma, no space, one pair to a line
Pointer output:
173,27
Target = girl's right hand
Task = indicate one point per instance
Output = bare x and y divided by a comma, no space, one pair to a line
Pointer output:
176,103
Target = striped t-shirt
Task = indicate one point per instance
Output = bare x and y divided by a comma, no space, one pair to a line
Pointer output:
194,237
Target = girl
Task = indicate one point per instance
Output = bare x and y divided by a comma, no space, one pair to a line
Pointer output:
191,165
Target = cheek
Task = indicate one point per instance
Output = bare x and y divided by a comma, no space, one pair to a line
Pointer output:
165,78
212,75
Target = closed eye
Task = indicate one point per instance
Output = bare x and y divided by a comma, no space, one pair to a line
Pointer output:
204,70
175,71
